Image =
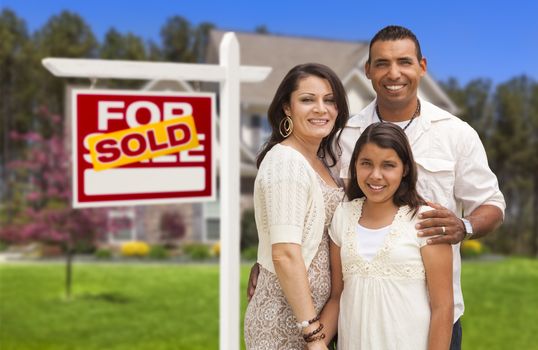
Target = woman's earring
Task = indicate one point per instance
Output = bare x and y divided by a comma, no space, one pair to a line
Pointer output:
286,127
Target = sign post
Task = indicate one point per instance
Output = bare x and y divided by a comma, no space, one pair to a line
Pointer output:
229,187
229,74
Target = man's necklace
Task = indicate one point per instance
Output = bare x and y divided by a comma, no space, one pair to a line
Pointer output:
416,114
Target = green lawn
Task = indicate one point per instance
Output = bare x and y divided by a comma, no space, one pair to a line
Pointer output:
129,306
501,300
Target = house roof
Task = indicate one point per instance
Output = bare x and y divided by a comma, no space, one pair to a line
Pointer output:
282,53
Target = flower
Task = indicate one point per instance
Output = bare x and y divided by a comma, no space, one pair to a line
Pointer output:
471,248
215,249
135,248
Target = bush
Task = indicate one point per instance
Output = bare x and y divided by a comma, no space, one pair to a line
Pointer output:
215,249
249,233
3,246
471,248
158,252
197,251
135,249
250,254
103,253
172,227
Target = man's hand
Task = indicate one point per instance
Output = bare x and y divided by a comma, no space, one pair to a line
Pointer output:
253,280
442,223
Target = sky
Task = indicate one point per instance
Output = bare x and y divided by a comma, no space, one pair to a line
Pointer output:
464,39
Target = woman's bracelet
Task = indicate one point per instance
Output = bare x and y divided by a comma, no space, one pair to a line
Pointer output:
304,324
308,336
315,338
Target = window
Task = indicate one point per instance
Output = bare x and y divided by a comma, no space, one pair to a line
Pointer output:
255,121
122,227
212,221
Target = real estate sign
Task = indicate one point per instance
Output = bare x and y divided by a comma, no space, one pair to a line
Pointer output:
139,147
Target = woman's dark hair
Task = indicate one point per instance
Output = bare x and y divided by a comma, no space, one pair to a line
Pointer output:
388,135
289,84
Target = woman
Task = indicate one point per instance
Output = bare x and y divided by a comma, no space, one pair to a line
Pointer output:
395,290
294,198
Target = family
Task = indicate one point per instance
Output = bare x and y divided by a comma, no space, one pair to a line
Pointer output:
360,218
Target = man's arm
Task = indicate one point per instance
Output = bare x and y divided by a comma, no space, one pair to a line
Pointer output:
329,313
253,280
484,219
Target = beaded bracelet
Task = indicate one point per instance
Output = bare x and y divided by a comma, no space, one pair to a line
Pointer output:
314,332
315,338
305,324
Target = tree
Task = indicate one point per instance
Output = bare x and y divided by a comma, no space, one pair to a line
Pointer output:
122,47
177,40
182,42
201,40
42,210
514,159
533,162
15,89
474,103
506,119
261,29
64,35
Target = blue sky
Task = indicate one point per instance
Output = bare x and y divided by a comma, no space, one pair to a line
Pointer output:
463,39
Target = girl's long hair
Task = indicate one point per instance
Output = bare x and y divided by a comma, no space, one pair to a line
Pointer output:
388,135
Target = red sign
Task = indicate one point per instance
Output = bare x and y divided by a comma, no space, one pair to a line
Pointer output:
139,147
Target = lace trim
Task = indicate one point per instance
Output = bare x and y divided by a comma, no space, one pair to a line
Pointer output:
380,266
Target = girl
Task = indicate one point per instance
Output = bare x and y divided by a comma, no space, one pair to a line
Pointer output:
393,290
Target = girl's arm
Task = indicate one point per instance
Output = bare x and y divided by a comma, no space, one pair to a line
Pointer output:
292,275
438,265
329,314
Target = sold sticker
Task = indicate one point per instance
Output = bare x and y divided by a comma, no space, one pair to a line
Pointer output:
133,145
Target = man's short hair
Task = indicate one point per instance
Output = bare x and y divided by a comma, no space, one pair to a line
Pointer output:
392,33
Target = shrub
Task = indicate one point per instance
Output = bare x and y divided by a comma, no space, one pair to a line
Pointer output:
158,252
215,249
103,253
3,246
471,248
135,248
250,253
197,251
172,227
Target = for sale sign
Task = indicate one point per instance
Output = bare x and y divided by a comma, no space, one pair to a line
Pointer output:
141,147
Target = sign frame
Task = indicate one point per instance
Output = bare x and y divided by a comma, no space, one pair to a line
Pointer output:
77,203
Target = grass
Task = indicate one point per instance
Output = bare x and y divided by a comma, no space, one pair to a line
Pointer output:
501,301
114,307
126,306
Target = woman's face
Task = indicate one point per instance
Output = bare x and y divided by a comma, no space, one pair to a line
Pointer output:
312,109
379,172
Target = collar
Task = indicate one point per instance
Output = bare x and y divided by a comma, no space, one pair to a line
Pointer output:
429,114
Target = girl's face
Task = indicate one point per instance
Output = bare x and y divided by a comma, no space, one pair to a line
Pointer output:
312,109
379,172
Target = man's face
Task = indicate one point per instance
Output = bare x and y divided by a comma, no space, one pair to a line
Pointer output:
395,72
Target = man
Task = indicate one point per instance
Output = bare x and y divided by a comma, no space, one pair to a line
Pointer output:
453,173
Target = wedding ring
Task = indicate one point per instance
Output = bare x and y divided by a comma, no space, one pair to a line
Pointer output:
444,230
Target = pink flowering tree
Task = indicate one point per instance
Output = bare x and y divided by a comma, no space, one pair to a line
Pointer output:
40,208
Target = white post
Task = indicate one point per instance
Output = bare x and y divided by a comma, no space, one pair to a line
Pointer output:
229,189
